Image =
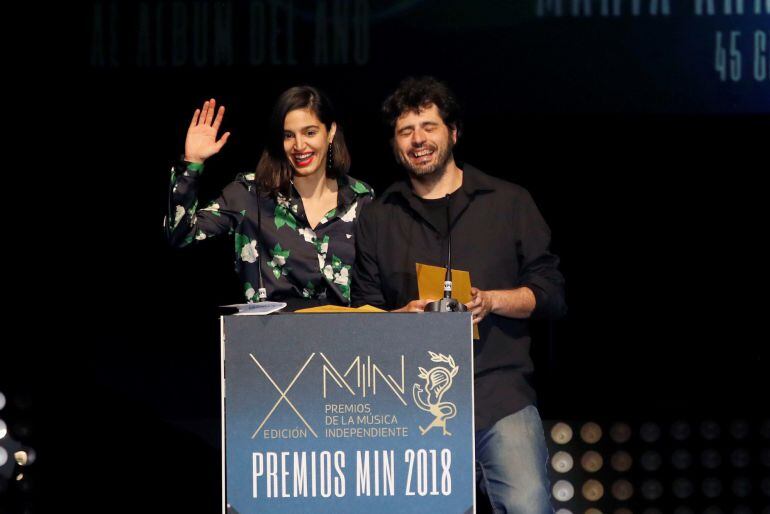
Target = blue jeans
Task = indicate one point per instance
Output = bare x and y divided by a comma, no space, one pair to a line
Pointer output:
511,464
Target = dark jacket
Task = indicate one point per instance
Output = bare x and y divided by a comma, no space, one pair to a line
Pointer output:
500,237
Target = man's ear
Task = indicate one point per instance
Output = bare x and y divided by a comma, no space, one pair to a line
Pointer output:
332,131
454,132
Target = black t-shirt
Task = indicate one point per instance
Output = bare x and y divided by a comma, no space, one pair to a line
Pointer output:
436,211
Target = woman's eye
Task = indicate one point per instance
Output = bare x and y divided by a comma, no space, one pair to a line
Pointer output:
312,133
288,135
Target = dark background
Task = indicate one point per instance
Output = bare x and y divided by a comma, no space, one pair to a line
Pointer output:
647,167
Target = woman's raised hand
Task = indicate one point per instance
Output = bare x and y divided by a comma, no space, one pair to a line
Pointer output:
201,142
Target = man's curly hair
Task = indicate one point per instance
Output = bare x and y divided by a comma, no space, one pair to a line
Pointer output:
413,94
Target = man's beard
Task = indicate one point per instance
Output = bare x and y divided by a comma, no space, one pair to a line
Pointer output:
430,174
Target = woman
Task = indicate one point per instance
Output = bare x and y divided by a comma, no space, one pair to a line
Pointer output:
294,219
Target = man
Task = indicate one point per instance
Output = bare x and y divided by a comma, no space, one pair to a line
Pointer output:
498,236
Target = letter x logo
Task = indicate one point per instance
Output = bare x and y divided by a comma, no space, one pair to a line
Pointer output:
283,395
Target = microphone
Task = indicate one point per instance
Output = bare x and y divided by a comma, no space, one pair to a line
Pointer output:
261,291
447,303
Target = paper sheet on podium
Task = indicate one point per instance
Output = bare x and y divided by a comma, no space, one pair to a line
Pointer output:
338,308
430,285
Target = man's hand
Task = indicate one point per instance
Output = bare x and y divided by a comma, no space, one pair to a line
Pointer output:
481,304
414,306
510,303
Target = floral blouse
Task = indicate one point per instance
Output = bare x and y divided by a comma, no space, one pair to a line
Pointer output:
296,261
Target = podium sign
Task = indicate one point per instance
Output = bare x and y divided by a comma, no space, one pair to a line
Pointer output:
348,413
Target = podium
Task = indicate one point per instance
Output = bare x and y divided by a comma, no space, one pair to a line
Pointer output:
347,413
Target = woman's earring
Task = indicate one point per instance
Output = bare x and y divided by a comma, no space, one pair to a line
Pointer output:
329,157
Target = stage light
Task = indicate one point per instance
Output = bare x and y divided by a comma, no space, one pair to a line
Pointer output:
681,459
563,511
3,429
24,484
593,490
591,461
741,487
623,510
680,430
621,461
650,460
593,510
563,490
710,459
711,487
561,433
649,432
765,429
682,488
590,432
562,461
710,430
713,510
742,509
765,485
740,458
620,432
21,431
740,429
3,456
764,457
652,510
684,510
25,457
622,490
2,401
652,489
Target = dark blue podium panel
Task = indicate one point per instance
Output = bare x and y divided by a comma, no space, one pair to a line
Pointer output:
348,413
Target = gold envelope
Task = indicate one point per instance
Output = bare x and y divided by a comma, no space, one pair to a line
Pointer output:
337,308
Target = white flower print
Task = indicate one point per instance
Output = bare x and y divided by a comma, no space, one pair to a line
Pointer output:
342,278
249,252
282,201
308,234
179,214
212,207
328,272
351,214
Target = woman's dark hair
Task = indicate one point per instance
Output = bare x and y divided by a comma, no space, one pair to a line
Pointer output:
413,94
274,172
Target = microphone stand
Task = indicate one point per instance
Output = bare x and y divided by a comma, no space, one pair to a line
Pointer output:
261,291
447,303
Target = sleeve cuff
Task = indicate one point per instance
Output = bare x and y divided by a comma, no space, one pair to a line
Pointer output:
194,166
193,169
